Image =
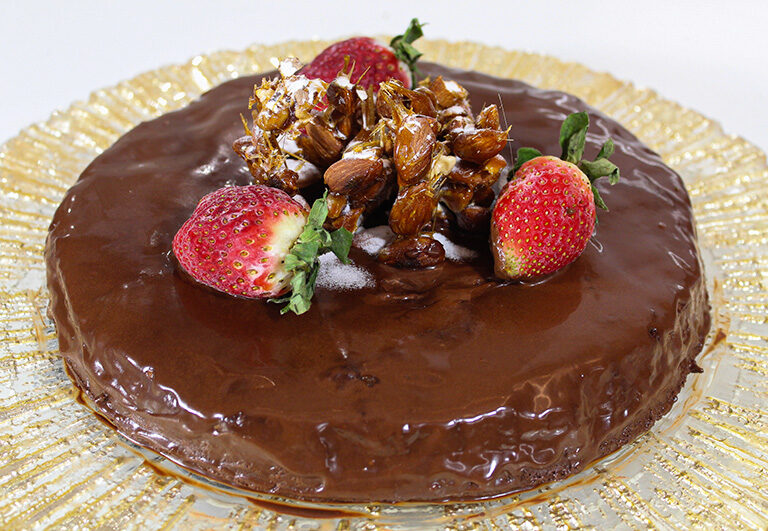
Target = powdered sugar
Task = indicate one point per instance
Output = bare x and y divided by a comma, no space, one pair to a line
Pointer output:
374,239
453,87
453,252
334,275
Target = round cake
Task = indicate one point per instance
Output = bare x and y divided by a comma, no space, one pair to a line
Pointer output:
397,385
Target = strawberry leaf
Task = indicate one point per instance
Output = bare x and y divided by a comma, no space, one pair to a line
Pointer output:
599,203
341,241
525,154
317,214
405,51
302,259
573,136
606,150
600,168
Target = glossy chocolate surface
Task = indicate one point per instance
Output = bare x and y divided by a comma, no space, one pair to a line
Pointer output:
433,385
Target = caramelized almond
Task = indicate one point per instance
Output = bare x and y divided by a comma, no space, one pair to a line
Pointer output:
423,102
272,119
456,196
348,176
447,93
286,180
484,196
494,165
412,209
336,204
414,142
474,175
457,125
327,147
488,118
475,219
480,145
414,252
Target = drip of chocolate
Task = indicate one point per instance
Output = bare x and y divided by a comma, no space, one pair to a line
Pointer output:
437,384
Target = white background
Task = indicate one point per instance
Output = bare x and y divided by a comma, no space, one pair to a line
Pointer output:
710,56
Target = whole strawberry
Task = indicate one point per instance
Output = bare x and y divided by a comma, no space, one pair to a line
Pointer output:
545,215
373,62
257,242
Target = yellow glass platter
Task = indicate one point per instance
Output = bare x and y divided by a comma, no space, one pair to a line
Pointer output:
704,465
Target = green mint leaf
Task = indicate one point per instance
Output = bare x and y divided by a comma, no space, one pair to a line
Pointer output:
606,151
573,136
341,241
405,51
525,154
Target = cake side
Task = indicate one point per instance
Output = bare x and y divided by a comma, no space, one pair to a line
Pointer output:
403,391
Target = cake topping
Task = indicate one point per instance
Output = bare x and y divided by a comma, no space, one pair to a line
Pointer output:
546,214
406,149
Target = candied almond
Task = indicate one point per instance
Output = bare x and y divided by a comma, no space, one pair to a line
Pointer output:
423,102
474,218
285,179
351,175
336,204
325,144
413,209
488,118
456,196
480,145
414,252
414,142
447,93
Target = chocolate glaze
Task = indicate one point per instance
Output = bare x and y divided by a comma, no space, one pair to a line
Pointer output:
433,385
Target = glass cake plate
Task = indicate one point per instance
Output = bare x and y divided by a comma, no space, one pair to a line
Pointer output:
704,465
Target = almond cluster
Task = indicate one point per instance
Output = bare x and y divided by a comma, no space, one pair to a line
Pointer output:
421,154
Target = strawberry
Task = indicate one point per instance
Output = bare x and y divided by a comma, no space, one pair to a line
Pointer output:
257,242
545,215
373,61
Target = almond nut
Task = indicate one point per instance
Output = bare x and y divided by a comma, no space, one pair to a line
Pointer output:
412,210
456,196
319,146
480,145
272,118
414,142
414,252
348,176
423,102
284,179
447,93
336,204
475,219
488,118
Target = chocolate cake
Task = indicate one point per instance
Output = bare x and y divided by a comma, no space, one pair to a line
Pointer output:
397,385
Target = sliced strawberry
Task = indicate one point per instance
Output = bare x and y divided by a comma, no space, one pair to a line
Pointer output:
257,242
237,238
